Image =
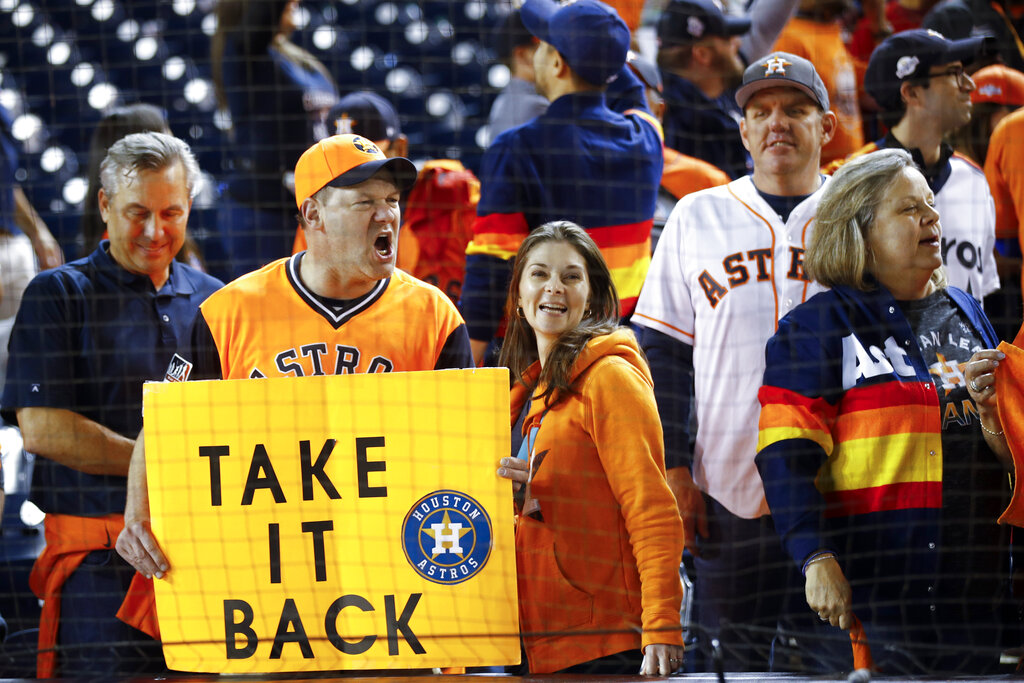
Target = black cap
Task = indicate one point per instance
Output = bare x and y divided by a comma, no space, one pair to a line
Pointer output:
364,113
684,22
911,55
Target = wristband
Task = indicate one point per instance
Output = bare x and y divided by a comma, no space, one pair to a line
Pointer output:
989,431
817,557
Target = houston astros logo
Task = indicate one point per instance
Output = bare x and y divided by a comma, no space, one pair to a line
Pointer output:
365,146
446,537
776,65
343,126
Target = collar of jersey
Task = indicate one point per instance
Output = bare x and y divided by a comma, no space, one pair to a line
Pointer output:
324,306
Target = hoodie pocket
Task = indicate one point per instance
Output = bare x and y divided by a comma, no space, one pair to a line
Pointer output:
549,603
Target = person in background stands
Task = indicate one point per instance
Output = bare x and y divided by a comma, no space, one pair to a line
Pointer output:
580,161
277,94
727,267
918,79
519,101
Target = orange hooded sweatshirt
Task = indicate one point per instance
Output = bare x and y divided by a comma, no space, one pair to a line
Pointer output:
1010,389
599,573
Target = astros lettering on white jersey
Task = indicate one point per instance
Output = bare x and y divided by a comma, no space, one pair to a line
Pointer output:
725,271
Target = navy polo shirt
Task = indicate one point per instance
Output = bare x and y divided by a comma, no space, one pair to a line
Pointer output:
86,338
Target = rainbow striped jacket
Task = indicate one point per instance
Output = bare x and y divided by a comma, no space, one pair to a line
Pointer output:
850,437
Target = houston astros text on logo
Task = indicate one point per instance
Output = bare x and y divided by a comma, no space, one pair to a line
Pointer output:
446,537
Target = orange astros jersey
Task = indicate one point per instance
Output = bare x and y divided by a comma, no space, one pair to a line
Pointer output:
269,324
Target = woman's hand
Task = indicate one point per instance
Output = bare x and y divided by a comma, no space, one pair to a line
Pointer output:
661,660
828,592
980,374
515,469
981,378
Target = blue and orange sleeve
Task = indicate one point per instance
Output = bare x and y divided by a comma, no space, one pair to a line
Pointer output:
489,258
498,230
794,440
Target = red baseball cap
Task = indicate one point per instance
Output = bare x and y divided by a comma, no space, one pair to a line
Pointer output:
343,161
998,84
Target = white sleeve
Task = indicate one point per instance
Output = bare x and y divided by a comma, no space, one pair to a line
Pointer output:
664,303
990,279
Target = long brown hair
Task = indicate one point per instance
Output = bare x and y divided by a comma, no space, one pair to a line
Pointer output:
519,351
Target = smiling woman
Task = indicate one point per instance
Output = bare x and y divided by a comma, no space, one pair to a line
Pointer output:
598,539
880,447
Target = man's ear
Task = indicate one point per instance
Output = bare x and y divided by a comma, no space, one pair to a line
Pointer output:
401,146
310,211
743,133
829,122
104,204
909,92
560,66
702,55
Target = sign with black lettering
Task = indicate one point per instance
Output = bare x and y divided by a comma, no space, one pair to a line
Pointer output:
333,522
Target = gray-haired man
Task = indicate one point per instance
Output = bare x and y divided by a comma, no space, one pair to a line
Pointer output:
86,337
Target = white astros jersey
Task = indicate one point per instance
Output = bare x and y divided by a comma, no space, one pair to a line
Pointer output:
968,218
725,271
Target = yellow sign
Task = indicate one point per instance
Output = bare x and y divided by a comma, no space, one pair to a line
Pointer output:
336,522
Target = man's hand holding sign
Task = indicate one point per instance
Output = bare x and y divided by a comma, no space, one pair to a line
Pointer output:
328,522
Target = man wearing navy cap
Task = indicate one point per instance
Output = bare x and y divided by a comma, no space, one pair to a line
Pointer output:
702,53
918,79
727,268
370,115
701,67
580,161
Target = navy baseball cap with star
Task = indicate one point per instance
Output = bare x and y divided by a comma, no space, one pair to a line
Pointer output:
364,113
589,34
684,22
911,55
780,70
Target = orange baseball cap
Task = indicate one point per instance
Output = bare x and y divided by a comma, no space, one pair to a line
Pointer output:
998,84
343,161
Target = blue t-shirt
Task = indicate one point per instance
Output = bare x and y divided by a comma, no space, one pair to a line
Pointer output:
87,336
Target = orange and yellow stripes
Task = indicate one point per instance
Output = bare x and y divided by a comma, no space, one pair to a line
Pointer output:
883,444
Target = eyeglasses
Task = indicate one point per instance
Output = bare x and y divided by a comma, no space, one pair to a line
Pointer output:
962,79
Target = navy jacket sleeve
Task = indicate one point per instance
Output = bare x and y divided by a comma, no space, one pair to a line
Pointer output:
197,357
671,364
798,371
626,92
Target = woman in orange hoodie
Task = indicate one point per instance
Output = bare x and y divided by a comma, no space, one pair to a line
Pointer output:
598,538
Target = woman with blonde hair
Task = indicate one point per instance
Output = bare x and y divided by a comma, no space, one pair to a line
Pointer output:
881,449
